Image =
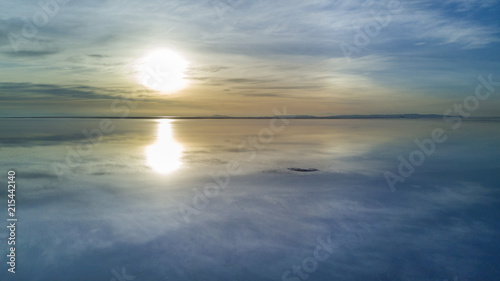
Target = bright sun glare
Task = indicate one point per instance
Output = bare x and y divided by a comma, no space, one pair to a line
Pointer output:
163,70
165,155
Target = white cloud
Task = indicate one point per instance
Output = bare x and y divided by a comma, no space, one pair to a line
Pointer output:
467,5
433,25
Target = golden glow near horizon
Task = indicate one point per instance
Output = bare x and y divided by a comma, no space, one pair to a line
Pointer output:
163,70
165,155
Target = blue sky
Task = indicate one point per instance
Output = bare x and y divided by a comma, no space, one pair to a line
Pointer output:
248,57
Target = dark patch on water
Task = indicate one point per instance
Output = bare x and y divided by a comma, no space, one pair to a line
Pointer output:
303,170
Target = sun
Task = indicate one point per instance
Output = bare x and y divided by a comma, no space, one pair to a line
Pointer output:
163,70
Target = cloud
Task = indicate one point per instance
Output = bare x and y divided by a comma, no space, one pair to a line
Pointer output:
23,91
468,5
32,52
435,26
278,47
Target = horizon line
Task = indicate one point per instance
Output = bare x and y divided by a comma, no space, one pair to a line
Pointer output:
345,116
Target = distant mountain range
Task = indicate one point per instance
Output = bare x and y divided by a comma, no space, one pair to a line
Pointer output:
357,116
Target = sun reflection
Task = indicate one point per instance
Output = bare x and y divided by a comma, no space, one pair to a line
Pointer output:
165,155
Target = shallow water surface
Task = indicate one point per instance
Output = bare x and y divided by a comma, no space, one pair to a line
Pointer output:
253,200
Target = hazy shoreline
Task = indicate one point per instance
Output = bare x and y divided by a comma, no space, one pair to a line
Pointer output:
381,116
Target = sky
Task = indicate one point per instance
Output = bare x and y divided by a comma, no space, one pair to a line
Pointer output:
248,58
